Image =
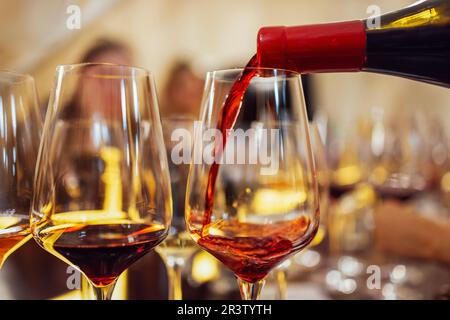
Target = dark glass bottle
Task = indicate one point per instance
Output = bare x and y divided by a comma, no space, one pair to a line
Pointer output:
413,43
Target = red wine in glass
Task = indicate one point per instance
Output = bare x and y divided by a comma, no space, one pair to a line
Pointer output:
103,252
250,250
253,256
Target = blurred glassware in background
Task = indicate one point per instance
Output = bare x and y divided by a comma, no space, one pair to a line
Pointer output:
178,247
351,238
401,163
352,201
310,257
411,217
438,138
20,131
438,141
350,224
400,203
345,150
409,160
102,194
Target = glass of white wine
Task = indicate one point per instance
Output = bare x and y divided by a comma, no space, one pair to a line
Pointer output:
20,130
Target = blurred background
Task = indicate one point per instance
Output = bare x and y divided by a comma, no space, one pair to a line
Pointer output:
179,41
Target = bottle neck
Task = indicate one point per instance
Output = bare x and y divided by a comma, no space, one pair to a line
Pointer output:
339,46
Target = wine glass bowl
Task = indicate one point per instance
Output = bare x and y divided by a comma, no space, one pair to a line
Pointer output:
400,161
102,191
252,195
20,129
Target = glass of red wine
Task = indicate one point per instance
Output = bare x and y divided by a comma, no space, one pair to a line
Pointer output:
102,196
252,195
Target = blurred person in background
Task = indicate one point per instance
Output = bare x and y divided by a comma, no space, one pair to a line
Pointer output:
109,51
182,93
94,92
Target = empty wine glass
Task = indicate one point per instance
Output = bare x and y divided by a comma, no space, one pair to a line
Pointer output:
102,195
252,201
178,247
20,130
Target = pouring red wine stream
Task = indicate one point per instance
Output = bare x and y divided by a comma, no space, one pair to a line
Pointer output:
413,42
227,119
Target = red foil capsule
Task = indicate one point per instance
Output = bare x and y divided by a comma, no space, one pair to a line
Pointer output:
330,47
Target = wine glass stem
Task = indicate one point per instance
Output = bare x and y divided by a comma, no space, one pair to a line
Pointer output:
104,292
250,290
174,275
281,285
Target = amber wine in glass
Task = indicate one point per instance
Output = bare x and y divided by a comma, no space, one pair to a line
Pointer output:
20,130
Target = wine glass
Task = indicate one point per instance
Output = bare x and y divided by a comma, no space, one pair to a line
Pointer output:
20,130
263,205
346,156
402,174
324,184
401,161
178,247
102,195
347,143
350,220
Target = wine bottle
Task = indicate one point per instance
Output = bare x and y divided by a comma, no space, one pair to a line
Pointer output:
413,43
